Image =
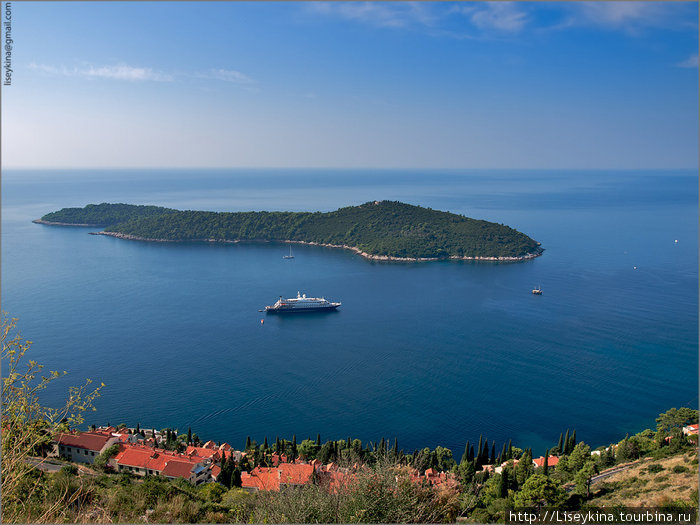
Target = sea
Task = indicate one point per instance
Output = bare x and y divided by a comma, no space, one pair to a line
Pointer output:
430,353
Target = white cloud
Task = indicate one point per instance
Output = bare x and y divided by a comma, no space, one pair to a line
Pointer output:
690,62
631,17
507,17
230,75
392,14
118,72
124,72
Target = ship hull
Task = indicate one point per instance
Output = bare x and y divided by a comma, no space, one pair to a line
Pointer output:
272,310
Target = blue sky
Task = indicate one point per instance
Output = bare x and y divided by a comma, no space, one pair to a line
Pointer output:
353,84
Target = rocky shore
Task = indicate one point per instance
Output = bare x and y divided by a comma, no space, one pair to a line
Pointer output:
366,255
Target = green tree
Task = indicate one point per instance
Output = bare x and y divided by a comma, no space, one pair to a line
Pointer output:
189,435
102,461
580,455
675,418
538,491
524,468
583,479
28,427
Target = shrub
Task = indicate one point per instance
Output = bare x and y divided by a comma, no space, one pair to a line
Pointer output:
680,468
654,468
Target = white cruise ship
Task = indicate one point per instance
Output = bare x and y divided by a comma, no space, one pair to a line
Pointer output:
301,303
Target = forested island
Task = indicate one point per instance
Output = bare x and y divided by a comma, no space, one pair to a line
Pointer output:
385,230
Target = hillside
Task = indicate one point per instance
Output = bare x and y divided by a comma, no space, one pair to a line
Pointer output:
650,483
385,229
100,214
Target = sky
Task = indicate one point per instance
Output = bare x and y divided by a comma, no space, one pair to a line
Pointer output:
533,85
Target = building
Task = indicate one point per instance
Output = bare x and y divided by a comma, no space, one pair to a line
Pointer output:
282,477
84,447
146,461
691,430
551,461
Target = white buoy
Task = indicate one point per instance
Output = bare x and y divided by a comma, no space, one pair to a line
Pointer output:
635,267
262,321
676,241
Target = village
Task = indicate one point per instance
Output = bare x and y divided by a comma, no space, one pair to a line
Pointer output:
142,453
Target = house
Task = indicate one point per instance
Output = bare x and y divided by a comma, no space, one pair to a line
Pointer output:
551,461
691,430
212,454
284,476
84,447
142,461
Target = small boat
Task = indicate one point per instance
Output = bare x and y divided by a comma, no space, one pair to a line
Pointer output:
537,291
290,256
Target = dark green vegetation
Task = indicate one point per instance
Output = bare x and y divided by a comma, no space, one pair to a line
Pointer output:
103,214
392,229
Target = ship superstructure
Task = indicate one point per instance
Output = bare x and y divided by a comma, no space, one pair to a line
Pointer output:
301,303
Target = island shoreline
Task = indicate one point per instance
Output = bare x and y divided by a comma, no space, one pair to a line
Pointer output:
49,223
373,257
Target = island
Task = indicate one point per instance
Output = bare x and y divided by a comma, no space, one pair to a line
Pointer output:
378,230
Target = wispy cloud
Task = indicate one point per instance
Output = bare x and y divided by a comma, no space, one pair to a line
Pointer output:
392,14
690,62
229,75
631,17
117,72
508,17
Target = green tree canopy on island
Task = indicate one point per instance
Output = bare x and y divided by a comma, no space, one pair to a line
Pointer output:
385,228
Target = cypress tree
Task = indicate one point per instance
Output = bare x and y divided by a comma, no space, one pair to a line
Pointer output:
138,428
465,456
573,441
382,447
471,453
560,450
484,456
480,447
504,483
395,448
503,457
510,449
265,444
492,460
347,443
566,443
248,443
318,439
189,435
277,445
545,468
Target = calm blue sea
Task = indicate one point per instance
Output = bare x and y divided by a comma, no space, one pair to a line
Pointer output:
431,353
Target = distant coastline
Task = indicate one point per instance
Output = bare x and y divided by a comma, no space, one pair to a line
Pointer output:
50,223
355,249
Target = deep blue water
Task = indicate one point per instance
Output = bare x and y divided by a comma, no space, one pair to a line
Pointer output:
432,353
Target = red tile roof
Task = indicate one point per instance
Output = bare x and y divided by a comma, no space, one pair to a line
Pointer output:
203,452
261,478
178,469
551,461
87,440
295,474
